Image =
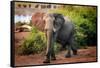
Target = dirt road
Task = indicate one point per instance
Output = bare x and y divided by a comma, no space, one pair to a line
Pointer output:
84,55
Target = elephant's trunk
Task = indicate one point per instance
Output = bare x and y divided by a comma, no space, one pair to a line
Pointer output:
49,42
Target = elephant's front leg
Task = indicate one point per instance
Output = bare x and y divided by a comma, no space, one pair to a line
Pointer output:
53,57
69,51
49,46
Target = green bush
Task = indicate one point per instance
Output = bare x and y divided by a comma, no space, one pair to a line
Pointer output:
35,43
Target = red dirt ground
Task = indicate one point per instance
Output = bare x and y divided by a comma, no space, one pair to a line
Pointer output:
84,55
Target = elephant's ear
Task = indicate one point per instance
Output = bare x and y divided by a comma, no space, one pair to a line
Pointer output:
58,22
37,20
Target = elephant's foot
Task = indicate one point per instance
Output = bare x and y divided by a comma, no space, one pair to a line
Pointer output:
68,56
46,61
53,58
75,52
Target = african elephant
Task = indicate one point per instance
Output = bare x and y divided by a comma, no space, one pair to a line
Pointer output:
57,29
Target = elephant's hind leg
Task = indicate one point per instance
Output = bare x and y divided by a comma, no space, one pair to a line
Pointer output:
74,49
71,47
69,52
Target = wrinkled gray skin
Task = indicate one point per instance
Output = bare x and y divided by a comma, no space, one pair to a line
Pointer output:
61,29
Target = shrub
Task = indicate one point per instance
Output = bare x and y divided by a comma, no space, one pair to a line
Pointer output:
35,43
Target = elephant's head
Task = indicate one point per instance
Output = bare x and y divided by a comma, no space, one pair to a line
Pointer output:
53,21
47,21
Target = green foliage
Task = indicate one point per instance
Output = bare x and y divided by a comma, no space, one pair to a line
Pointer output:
35,43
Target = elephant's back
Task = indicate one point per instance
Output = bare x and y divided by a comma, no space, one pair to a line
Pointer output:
68,25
